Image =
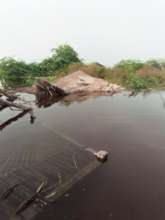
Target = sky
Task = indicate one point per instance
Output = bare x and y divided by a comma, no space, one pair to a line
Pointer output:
104,31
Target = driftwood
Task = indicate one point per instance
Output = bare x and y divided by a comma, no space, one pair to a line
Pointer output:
48,94
9,102
10,97
15,105
45,88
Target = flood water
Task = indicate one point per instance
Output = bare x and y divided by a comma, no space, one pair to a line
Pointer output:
130,185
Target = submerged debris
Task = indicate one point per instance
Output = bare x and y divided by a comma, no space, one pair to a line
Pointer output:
44,87
101,155
41,187
9,191
29,201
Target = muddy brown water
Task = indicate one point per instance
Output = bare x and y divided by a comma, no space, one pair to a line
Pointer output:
129,186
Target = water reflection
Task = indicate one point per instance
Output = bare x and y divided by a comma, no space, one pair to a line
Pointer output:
162,99
130,128
46,100
15,118
43,100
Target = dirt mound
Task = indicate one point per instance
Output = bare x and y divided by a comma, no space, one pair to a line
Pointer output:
79,81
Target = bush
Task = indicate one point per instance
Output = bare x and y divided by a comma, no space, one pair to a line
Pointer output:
18,73
136,83
14,73
155,63
73,67
129,66
96,70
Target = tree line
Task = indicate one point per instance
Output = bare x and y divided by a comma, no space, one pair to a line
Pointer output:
17,72
132,74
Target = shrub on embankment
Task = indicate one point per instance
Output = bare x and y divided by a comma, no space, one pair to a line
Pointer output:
131,74
136,75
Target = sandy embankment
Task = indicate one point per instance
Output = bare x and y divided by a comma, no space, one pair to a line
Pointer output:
80,82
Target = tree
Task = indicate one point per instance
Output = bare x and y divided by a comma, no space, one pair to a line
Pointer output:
61,58
64,55
18,73
13,72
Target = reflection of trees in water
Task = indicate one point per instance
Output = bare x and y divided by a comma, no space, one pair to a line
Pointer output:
45,101
146,93
162,99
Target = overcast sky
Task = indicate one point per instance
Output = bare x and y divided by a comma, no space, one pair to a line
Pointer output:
99,30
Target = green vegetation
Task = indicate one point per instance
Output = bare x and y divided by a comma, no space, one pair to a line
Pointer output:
136,75
131,74
15,73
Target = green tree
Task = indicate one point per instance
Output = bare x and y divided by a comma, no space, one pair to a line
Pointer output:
13,72
60,59
18,73
64,55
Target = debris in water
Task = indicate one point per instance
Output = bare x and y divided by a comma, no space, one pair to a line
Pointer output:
75,162
29,201
50,195
101,155
9,191
25,204
40,188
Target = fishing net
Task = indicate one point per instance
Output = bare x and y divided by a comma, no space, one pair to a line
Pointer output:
35,174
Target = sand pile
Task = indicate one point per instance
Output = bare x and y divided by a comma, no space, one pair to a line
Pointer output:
79,81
